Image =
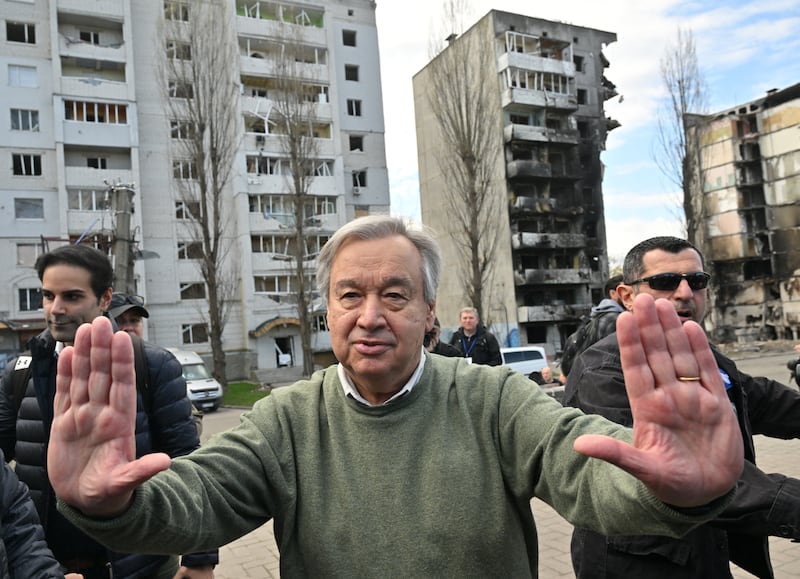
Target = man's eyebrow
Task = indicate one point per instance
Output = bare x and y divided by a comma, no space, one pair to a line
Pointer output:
389,281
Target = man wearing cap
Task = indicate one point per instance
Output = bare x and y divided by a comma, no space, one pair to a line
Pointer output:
128,311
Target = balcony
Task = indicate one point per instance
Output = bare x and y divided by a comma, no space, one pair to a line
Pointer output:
540,134
70,47
547,240
97,134
539,99
265,28
552,276
273,145
95,178
111,9
80,221
262,106
523,169
552,312
535,63
95,89
268,67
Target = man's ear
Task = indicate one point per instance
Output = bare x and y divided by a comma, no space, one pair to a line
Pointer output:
105,299
626,294
430,317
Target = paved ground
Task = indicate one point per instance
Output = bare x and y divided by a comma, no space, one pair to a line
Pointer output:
255,555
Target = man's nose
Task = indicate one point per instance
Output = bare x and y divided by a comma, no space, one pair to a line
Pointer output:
57,305
683,290
372,313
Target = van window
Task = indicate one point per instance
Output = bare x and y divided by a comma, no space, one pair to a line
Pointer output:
195,372
521,356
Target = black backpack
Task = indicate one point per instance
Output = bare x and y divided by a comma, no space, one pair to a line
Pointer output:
586,335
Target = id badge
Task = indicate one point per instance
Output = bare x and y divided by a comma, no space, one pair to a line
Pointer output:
468,359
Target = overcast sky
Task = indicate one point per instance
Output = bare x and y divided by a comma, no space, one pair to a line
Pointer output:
744,47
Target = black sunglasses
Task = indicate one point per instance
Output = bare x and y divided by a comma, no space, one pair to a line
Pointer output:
120,299
669,282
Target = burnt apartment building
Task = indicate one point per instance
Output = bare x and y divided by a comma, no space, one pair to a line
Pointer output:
549,90
748,164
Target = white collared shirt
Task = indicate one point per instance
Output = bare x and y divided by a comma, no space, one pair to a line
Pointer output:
352,391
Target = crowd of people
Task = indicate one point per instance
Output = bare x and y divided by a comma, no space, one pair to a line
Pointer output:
410,456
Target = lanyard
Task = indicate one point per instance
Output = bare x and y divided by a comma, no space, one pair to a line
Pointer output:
464,344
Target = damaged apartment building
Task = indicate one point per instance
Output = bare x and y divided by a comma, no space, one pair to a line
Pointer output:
550,263
748,161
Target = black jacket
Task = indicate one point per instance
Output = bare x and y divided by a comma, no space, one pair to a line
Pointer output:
482,347
23,549
163,424
764,504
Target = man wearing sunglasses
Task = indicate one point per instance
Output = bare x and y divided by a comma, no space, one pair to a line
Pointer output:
765,504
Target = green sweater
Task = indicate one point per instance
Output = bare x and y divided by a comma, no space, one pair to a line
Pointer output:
435,484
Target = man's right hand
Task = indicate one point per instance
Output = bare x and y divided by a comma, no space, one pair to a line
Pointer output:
91,457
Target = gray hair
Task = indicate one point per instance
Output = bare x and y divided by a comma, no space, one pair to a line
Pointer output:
379,227
471,310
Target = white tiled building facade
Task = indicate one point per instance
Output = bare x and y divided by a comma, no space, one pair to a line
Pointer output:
82,108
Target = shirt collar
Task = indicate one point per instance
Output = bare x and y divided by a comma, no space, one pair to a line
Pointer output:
352,391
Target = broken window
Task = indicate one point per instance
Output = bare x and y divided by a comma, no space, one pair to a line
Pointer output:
357,143
349,37
26,165
351,72
193,291
359,178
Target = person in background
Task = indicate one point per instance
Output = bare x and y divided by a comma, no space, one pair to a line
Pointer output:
543,377
602,321
76,289
474,342
127,310
329,458
672,270
434,344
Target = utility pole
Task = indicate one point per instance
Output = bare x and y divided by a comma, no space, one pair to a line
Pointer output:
122,206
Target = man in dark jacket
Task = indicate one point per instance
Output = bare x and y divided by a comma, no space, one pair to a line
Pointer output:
474,341
764,504
76,288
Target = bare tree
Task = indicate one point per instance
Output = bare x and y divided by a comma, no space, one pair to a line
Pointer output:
197,75
676,157
293,120
462,95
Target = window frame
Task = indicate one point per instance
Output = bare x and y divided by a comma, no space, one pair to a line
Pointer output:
32,116
28,30
354,108
33,202
26,165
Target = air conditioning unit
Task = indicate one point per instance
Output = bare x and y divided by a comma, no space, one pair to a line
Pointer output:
356,190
